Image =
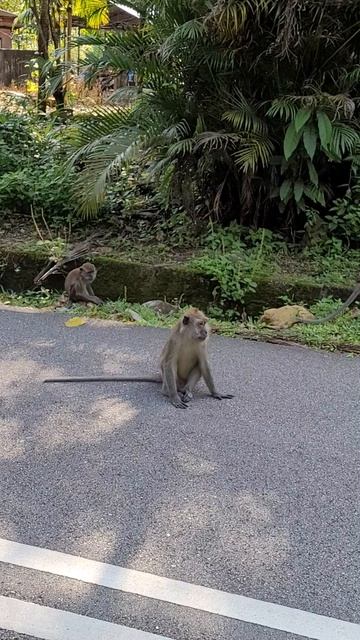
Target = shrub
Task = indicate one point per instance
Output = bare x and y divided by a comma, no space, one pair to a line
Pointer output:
32,168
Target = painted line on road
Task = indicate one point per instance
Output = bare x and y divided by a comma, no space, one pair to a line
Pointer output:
55,624
266,614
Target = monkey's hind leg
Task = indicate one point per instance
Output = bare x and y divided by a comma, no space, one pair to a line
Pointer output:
193,379
170,383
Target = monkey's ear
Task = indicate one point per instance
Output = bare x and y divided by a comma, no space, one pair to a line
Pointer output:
186,320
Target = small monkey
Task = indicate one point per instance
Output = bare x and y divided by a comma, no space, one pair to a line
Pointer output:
78,284
335,314
183,362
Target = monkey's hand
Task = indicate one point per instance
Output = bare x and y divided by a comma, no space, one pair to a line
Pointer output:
222,396
178,403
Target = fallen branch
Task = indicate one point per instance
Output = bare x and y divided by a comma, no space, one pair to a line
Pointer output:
78,251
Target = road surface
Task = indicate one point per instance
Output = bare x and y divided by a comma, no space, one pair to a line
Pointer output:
253,498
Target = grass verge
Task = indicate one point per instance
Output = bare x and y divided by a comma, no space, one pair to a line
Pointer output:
343,334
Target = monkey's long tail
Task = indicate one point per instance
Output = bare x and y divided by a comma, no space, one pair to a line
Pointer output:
103,379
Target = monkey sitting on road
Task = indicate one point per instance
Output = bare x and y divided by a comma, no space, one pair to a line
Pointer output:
78,284
183,362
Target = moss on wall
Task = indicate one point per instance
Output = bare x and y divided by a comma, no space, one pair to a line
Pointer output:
140,282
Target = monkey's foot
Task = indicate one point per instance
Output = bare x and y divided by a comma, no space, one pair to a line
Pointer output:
179,403
222,396
187,396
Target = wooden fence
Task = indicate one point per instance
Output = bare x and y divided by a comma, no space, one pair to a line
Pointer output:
14,66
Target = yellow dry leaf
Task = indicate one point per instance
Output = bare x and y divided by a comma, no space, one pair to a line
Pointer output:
75,322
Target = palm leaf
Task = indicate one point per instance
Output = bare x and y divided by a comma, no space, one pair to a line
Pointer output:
284,108
255,151
243,116
103,159
216,140
191,32
344,139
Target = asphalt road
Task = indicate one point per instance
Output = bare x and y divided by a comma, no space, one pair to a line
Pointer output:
257,496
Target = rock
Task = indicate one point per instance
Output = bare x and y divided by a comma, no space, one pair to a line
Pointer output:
285,317
133,315
160,306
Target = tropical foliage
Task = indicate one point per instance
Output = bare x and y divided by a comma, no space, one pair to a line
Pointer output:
32,176
246,109
50,23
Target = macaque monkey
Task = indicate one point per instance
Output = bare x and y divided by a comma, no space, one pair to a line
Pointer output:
335,314
78,284
183,362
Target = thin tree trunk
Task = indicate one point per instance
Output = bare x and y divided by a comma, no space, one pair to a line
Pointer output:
59,92
43,24
68,33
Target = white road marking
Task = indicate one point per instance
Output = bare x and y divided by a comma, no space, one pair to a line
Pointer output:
55,624
266,614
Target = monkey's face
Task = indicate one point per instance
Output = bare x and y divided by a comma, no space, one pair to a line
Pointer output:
197,327
88,272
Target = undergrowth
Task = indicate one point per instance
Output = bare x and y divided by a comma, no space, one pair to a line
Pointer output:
341,334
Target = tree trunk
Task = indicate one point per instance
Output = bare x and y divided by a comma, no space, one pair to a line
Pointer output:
43,29
68,33
59,92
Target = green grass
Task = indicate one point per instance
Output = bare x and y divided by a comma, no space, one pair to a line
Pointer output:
341,334
342,331
338,334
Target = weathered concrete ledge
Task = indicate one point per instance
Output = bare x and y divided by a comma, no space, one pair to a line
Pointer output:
140,282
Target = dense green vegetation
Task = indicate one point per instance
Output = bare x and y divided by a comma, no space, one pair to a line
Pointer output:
245,110
238,150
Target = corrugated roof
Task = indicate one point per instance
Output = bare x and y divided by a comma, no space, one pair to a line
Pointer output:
7,13
132,12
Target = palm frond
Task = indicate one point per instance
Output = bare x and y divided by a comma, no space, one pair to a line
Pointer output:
103,161
255,151
284,108
344,139
95,12
228,18
180,148
177,131
216,140
243,116
219,61
103,122
351,78
190,32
